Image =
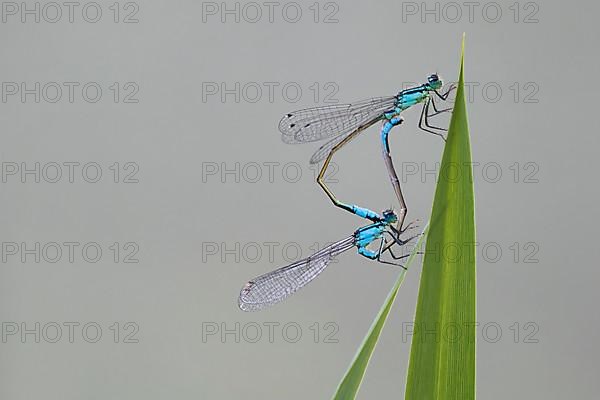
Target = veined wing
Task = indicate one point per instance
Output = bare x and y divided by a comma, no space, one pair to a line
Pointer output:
318,123
324,150
275,286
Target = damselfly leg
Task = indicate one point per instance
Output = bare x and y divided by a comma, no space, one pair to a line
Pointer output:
424,123
397,232
387,246
445,95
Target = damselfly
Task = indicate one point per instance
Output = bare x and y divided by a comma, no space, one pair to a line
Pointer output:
277,285
343,122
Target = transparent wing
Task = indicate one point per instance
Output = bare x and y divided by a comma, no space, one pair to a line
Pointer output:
318,123
275,286
324,150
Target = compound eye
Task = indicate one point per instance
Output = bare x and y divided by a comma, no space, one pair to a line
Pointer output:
433,78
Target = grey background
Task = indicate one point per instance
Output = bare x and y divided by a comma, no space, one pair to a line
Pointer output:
177,289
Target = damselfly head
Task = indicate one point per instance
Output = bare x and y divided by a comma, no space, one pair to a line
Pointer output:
434,81
390,216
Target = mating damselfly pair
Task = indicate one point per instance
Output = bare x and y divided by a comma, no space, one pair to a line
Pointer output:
340,124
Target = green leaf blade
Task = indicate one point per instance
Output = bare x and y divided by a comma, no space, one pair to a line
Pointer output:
442,360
